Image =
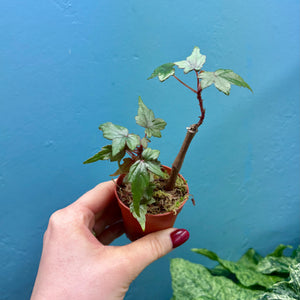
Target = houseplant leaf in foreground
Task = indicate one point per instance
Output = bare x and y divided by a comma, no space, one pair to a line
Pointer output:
246,273
194,281
271,264
277,262
222,79
286,290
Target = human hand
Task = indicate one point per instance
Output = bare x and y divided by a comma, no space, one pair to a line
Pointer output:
76,264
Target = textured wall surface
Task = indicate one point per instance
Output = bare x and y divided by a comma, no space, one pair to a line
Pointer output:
67,66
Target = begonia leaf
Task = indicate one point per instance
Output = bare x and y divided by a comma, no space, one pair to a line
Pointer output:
222,79
163,72
194,62
146,119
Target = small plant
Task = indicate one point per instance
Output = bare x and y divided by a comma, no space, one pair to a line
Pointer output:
139,164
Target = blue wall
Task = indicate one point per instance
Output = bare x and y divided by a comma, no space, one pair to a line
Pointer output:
67,66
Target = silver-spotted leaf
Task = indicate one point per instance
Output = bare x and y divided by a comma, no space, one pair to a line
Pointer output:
194,62
285,290
124,167
150,154
246,274
251,258
271,264
133,141
278,252
105,154
120,137
139,178
296,254
163,72
144,142
141,216
150,157
146,119
222,79
192,281
112,131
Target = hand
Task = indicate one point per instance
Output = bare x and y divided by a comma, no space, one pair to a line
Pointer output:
77,264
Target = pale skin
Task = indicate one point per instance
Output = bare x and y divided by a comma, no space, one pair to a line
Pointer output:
76,264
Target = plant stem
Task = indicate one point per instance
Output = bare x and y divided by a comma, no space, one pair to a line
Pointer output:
176,166
185,84
191,132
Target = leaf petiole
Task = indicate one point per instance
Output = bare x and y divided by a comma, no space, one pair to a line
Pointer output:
184,84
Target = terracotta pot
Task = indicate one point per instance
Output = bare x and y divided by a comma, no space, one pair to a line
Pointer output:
157,222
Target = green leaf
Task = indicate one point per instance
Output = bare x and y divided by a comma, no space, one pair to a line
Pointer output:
152,164
211,255
124,168
194,62
286,290
194,282
146,119
278,252
148,194
246,274
150,154
120,137
112,131
221,271
118,145
155,168
276,261
296,254
139,178
146,200
141,216
222,79
105,154
250,258
144,142
133,141
272,264
163,72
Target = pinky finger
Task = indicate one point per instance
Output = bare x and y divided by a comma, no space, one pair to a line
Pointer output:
111,233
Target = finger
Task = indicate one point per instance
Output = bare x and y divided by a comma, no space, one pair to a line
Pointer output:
98,198
111,209
111,233
151,247
105,221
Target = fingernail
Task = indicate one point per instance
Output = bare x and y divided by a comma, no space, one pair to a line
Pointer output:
179,237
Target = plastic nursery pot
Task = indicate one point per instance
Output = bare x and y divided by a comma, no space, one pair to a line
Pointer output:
154,223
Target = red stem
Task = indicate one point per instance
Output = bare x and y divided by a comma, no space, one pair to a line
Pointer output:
185,84
198,81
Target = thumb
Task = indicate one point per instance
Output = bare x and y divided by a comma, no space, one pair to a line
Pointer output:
151,247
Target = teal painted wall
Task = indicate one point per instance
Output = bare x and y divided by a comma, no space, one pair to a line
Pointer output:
67,66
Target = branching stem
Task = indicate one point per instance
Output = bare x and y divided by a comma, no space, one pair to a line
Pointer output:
191,132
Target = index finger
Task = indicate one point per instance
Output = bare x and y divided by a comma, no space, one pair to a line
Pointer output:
98,198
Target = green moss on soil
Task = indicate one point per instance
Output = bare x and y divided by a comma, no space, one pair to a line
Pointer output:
165,201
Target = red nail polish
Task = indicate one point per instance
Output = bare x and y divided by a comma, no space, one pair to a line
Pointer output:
179,236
